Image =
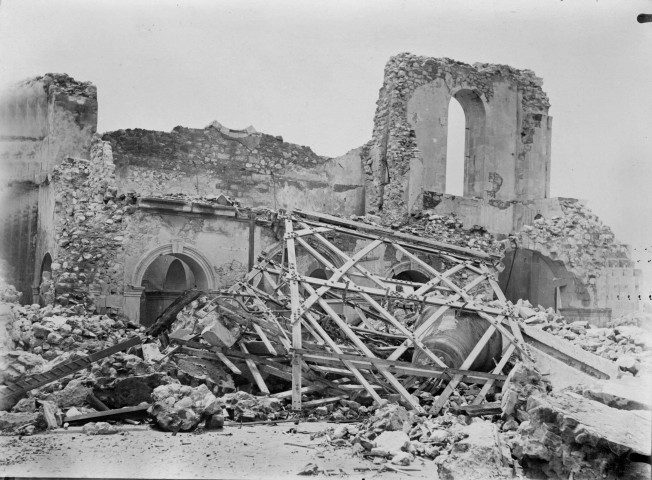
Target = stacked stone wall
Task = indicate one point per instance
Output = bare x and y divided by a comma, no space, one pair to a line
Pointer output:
88,257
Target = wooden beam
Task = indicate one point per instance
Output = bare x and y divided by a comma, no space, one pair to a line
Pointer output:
401,368
296,314
367,231
254,371
365,350
105,414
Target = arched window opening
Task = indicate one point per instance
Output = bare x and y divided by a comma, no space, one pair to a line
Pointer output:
455,148
46,284
411,276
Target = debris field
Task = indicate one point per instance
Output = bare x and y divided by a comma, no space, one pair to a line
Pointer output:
446,371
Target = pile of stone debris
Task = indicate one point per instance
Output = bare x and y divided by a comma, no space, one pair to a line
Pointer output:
577,238
625,340
529,428
445,228
538,432
179,391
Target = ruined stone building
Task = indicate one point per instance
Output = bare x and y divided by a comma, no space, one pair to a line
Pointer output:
126,220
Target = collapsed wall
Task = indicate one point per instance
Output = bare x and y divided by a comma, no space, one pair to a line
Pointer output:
85,240
254,168
508,134
42,120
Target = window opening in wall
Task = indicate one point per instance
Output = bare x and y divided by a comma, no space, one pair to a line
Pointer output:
455,148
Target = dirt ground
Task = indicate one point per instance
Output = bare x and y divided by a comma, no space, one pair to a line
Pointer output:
259,451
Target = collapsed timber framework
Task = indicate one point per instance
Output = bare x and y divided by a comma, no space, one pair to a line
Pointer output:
295,314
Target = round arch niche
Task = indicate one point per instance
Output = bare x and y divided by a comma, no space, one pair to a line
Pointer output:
164,273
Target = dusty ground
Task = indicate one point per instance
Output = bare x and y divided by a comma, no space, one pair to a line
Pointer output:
139,452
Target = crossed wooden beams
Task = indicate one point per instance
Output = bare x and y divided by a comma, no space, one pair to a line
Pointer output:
307,305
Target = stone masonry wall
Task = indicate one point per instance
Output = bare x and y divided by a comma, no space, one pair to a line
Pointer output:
513,163
87,260
254,168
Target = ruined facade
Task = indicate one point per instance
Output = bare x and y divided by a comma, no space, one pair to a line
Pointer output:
127,220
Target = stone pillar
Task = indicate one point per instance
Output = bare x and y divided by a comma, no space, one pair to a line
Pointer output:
132,302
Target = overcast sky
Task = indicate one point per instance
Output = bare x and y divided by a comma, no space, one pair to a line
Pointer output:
310,71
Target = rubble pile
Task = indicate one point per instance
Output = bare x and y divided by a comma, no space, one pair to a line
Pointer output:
53,330
459,446
577,238
623,341
559,434
443,228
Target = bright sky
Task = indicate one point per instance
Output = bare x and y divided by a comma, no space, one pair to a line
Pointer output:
310,71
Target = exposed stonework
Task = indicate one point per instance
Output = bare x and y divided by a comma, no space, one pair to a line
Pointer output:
96,226
507,146
88,233
256,169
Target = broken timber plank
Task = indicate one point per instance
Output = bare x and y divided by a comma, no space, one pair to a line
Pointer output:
105,414
64,369
295,318
254,371
492,408
401,368
569,354
365,350
323,401
368,231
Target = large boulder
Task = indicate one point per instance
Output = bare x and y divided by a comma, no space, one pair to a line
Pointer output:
72,395
181,408
477,457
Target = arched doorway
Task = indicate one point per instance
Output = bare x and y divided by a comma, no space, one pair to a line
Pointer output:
532,276
162,275
164,280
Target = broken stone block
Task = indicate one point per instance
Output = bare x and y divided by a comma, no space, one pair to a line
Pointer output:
151,353
100,428
214,422
180,407
474,457
393,442
628,363
521,383
15,420
218,335
568,432
74,394
403,458
129,391
25,405
41,331
391,417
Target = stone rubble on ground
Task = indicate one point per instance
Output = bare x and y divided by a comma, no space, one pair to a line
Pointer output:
623,341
